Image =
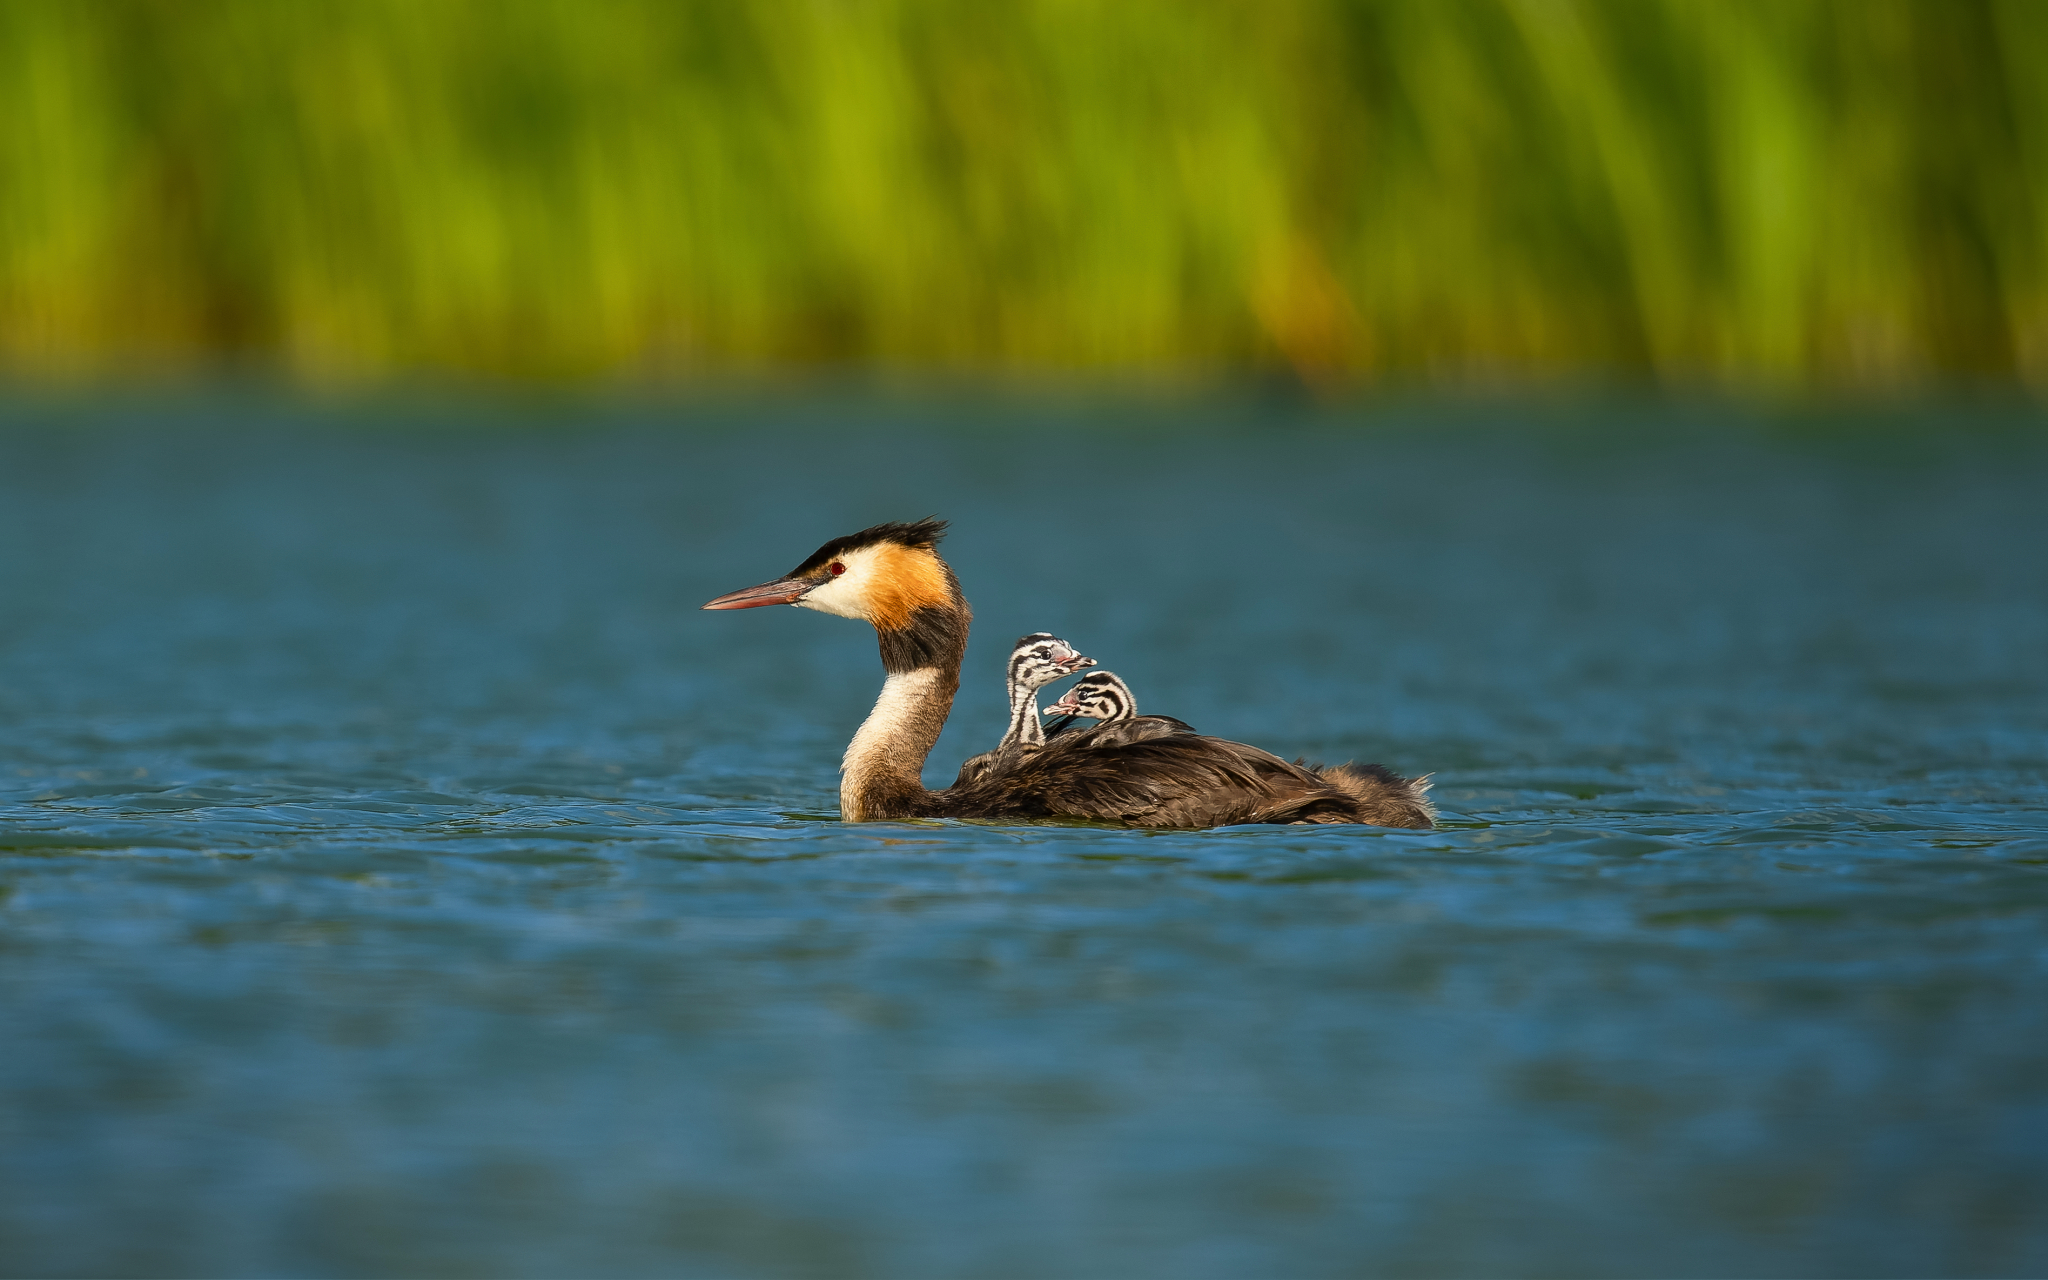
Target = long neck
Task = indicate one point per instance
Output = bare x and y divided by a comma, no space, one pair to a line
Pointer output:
881,776
1025,729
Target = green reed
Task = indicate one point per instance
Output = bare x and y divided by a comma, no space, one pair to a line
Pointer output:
1796,192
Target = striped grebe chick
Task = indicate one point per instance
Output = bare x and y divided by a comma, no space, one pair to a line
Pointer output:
1035,662
891,576
1103,697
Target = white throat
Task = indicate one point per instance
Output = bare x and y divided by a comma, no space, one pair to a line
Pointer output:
881,733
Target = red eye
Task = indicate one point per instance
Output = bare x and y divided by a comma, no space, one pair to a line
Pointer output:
837,568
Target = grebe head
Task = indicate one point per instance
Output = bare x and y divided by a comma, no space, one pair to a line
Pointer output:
881,575
1039,659
1100,696
890,576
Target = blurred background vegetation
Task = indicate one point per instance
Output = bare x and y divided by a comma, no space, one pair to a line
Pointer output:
1808,193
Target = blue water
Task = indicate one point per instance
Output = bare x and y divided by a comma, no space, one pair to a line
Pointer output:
399,875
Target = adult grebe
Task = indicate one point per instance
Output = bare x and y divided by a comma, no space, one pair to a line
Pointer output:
891,576
1035,662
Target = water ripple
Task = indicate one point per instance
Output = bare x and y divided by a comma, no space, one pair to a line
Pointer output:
398,876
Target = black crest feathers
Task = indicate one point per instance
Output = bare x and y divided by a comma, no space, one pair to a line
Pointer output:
917,533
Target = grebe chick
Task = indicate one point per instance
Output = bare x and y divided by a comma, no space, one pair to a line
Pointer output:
1035,662
891,576
1105,698
1102,696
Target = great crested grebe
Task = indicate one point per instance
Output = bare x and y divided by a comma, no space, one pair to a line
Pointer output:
1103,697
891,577
1035,662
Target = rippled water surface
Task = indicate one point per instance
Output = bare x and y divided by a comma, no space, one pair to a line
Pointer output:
399,876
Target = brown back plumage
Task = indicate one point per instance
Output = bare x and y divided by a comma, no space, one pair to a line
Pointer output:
1168,778
1378,795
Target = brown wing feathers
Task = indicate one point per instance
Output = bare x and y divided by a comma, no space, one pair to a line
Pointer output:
1173,780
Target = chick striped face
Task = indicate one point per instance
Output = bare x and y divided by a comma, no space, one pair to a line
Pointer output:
883,584
1040,658
1100,696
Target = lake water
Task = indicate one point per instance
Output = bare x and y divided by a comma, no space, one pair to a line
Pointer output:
399,876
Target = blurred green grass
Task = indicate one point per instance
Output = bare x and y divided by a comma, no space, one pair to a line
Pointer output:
1780,192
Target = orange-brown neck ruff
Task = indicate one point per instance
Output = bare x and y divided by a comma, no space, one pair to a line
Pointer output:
902,580
920,619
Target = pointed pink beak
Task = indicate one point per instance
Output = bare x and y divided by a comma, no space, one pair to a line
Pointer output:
781,591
